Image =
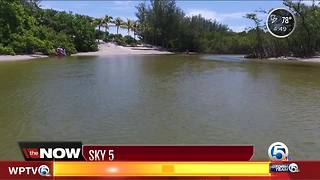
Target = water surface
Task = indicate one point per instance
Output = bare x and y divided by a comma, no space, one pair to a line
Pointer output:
167,99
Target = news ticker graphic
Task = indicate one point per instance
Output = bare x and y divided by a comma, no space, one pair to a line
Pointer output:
72,159
167,153
75,151
85,169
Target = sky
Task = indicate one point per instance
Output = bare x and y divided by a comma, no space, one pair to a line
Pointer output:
227,12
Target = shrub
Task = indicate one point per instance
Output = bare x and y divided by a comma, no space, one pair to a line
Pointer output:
130,40
63,41
101,34
34,44
27,43
18,44
120,40
6,50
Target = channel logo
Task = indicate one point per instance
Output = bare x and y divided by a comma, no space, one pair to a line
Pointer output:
292,167
47,151
44,170
278,151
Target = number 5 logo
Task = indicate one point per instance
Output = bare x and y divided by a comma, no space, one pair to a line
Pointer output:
278,151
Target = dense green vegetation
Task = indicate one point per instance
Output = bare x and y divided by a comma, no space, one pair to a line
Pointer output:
26,28
162,23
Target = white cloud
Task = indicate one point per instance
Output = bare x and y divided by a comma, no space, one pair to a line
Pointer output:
208,14
239,28
122,3
235,20
50,5
310,2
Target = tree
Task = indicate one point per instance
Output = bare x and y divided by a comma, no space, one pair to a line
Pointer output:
118,22
307,26
129,25
26,28
99,22
135,28
162,23
258,50
107,19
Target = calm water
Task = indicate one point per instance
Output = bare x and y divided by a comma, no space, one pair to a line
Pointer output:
161,100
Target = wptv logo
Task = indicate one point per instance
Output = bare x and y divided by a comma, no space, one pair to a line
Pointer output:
48,151
42,170
278,151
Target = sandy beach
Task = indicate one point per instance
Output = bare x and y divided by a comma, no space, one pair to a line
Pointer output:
106,49
109,49
20,57
312,59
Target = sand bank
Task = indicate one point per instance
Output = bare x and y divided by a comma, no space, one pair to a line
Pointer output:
106,49
20,57
312,59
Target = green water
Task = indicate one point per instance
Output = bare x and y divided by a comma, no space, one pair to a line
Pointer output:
168,99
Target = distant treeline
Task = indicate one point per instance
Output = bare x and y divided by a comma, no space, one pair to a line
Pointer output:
26,28
162,23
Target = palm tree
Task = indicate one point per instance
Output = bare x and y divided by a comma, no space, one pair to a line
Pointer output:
129,25
135,28
118,22
99,22
106,20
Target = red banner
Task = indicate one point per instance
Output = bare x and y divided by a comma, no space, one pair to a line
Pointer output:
167,153
305,170
44,170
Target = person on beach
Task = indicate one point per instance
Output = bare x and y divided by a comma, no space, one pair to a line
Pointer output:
61,52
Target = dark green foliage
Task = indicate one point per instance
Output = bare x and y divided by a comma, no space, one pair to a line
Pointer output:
163,24
117,38
130,41
303,42
6,50
100,34
26,28
121,40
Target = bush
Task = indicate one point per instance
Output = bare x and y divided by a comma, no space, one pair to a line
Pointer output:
34,44
120,40
130,41
63,41
27,43
6,50
108,38
18,44
101,34
117,38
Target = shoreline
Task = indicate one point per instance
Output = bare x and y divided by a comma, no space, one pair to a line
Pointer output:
296,59
21,57
111,49
107,49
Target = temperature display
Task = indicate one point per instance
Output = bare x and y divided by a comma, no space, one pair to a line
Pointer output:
281,22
